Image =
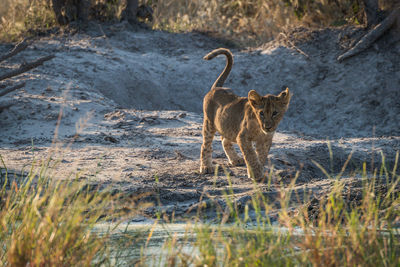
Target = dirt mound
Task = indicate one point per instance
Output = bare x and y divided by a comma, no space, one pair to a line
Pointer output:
157,70
338,99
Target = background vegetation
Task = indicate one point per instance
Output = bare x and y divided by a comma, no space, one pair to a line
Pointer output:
248,22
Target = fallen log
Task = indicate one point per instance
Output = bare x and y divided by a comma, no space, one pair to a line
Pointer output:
26,67
10,89
373,35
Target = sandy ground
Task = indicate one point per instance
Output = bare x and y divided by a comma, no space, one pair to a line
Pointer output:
135,98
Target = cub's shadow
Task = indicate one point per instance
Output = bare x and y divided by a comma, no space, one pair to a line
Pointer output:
312,162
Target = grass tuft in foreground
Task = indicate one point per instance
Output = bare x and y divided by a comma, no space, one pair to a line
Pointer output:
48,222
349,226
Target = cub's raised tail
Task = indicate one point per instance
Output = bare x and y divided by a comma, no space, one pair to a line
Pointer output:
219,82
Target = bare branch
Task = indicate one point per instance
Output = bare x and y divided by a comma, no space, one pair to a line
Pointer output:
26,67
18,48
294,46
10,89
373,35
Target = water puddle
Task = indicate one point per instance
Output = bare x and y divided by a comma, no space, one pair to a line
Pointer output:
151,243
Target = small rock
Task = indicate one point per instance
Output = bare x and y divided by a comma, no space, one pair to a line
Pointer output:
110,139
182,115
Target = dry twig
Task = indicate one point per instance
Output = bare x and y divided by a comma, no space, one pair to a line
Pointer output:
294,46
26,67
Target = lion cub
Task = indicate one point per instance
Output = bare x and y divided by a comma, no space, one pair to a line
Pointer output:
240,120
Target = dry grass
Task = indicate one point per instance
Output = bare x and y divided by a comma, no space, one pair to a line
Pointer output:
21,17
247,22
252,22
338,232
48,221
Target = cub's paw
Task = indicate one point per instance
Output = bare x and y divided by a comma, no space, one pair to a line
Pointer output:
258,175
237,162
207,169
260,179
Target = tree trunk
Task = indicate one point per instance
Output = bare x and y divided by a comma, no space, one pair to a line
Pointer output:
57,8
83,10
371,9
130,11
71,10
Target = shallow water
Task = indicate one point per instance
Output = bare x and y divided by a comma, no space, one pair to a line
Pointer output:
152,243
148,242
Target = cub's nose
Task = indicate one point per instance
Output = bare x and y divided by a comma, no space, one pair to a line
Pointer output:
268,126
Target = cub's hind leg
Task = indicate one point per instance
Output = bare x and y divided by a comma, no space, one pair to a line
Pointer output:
230,152
206,165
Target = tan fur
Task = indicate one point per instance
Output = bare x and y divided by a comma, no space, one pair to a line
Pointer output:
240,120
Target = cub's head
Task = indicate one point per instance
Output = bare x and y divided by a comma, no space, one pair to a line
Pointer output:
269,109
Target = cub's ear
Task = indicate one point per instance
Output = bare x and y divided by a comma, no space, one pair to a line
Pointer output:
285,96
255,99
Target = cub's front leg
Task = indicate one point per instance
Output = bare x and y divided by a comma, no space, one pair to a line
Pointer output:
233,157
262,147
254,168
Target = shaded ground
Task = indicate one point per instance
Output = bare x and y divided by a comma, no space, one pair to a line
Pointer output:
143,90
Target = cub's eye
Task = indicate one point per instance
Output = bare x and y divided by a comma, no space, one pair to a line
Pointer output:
274,113
261,114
